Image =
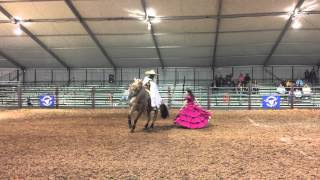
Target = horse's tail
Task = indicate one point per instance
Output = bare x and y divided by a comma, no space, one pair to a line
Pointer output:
164,111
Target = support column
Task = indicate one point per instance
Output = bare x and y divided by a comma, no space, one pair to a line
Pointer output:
93,96
69,76
194,79
35,76
86,76
249,97
104,77
57,98
213,75
157,75
251,73
18,75
208,98
121,76
19,96
139,71
23,76
51,76
272,74
292,72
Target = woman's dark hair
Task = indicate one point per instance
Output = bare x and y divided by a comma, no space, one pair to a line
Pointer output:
190,93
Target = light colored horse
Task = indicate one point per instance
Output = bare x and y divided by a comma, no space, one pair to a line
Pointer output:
139,100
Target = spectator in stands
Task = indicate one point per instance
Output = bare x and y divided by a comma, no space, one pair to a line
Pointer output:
307,75
29,102
299,83
246,79
241,78
239,87
306,90
313,76
148,81
281,89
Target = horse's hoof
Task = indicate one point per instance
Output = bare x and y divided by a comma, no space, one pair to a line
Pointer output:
151,126
132,131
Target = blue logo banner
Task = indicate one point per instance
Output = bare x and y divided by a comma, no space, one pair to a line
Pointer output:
46,101
272,102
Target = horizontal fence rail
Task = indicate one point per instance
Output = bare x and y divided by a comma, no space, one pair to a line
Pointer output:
112,96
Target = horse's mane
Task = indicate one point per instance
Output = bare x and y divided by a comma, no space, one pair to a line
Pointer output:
136,83
135,87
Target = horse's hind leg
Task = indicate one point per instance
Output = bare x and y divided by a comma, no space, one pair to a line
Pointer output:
154,117
149,118
135,121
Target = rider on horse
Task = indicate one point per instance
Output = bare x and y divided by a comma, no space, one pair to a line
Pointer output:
148,82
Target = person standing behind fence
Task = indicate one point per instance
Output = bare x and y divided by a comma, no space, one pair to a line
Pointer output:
241,78
307,75
313,76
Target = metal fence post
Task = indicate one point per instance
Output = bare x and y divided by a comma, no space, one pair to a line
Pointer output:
249,100
169,96
291,97
93,95
19,94
57,98
208,98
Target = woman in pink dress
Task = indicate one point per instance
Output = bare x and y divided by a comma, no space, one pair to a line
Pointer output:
192,115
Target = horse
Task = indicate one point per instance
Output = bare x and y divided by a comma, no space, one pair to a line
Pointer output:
140,101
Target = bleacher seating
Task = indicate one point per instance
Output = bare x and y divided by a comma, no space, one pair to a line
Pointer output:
110,95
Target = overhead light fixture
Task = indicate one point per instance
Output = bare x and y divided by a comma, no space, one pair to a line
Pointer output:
18,31
296,24
147,17
151,12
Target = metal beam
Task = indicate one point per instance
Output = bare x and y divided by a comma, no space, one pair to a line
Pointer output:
174,18
11,60
89,31
33,37
164,34
283,32
144,6
216,39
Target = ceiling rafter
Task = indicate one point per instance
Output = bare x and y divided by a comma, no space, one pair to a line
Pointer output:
11,60
224,16
164,34
33,37
216,39
90,33
144,6
283,32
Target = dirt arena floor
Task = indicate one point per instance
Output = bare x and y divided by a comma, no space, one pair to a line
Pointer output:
96,144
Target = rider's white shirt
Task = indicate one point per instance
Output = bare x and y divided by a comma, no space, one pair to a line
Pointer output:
154,92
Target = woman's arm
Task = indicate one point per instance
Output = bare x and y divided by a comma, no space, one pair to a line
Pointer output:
184,104
196,101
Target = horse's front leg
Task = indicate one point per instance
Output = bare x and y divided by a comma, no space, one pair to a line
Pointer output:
154,117
129,117
135,121
149,118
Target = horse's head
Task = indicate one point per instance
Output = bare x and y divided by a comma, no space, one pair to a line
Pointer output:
135,87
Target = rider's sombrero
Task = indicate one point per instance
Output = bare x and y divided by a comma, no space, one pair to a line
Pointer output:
151,72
